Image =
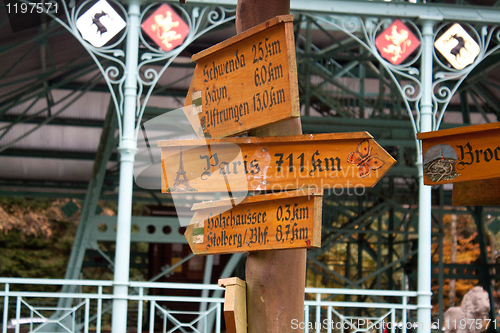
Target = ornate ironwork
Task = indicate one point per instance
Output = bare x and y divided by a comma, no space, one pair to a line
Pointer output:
485,36
199,19
407,76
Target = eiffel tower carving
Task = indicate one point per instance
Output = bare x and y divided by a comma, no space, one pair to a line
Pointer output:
181,182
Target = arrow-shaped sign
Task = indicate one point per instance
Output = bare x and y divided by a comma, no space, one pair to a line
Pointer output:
461,154
329,161
245,82
272,221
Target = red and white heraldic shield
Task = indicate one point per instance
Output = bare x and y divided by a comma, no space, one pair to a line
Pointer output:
166,28
396,42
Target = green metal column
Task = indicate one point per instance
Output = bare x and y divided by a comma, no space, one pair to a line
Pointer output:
106,145
127,148
440,263
425,200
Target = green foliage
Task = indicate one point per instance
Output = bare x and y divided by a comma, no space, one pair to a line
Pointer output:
36,256
42,204
35,238
467,252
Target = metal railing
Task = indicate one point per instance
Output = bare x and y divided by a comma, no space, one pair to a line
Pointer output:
380,311
30,305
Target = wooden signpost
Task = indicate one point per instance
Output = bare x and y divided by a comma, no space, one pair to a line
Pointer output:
335,161
264,222
467,156
245,82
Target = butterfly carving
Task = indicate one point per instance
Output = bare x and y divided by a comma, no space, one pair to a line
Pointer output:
364,160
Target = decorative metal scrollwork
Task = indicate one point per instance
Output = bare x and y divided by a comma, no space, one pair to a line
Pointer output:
448,79
406,76
199,19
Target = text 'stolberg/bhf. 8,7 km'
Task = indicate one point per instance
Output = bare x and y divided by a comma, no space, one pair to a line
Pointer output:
271,221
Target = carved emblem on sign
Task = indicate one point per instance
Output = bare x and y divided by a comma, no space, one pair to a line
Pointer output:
363,158
457,46
396,42
166,28
181,183
440,163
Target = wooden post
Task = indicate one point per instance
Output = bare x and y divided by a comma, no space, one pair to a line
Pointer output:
484,192
235,307
250,13
275,279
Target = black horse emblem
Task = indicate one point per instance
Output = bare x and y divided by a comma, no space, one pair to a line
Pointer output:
97,21
459,47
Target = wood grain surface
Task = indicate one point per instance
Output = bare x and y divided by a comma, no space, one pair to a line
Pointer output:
284,220
332,161
461,154
245,82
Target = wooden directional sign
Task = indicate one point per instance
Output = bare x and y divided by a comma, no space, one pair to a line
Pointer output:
336,161
461,154
271,221
245,82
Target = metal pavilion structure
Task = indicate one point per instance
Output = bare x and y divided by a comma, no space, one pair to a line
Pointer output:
55,103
